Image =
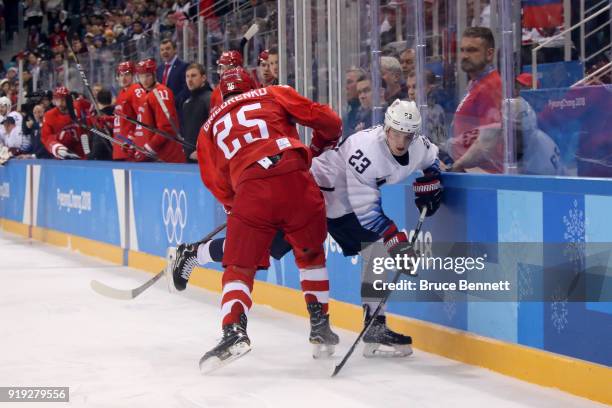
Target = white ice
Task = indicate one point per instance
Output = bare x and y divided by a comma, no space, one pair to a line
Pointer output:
55,331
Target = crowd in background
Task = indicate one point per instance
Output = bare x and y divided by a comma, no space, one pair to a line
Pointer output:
55,28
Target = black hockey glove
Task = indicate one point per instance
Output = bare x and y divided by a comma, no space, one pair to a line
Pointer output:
428,193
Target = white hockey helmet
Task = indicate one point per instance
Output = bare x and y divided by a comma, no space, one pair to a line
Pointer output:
523,116
403,116
5,101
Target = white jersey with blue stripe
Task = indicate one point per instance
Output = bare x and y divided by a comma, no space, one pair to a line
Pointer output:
351,175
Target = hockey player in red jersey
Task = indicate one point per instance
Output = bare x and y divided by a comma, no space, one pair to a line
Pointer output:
60,134
123,104
150,112
252,160
227,60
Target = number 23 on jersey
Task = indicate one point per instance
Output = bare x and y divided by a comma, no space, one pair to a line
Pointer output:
230,142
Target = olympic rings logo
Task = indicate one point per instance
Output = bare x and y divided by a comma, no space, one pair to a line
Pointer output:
174,212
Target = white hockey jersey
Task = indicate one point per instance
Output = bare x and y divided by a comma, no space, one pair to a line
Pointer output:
351,175
16,138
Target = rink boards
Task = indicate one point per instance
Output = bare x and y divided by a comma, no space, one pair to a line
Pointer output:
129,214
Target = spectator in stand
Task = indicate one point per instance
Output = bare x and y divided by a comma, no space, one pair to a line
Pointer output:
34,66
196,108
353,76
32,128
407,58
411,85
28,83
33,15
58,36
11,74
77,46
4,87
482,103
138,31
391,73
364,115
172,72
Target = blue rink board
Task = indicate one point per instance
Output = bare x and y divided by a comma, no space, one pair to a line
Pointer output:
483,208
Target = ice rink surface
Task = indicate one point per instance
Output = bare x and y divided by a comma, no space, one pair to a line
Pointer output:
144,353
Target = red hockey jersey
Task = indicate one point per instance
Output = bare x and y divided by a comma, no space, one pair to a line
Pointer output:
151,113
254,125
60,130
481,106
126,103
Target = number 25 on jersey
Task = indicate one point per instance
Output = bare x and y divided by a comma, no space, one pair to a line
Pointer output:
231,143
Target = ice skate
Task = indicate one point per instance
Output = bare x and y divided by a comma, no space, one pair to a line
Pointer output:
322,337
179,265
234,344
380,341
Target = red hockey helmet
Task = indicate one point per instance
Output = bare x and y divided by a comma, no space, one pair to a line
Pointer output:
147,66
125,67
232,58
235,81
263,56
61,92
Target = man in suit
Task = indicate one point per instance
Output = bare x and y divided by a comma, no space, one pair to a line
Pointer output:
172,73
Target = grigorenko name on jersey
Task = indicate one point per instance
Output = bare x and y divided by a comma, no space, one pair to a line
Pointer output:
237,98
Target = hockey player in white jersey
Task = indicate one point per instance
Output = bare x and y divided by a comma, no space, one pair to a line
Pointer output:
350,177
5,110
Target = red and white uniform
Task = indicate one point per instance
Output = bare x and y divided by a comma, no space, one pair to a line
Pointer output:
126,103
481,106
151,113
234,147
59,129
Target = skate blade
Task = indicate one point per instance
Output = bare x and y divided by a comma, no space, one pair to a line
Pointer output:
372,350
323,351
214,363
170,259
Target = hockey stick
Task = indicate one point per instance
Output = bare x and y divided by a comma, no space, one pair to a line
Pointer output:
127,142
153,130
75,119
167,115
128,294
382,302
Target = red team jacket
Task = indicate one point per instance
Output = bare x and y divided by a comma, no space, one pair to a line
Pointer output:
480,106
58,129
254,125
126,103
150,112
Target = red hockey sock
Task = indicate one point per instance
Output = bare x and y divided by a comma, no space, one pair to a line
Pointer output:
315,285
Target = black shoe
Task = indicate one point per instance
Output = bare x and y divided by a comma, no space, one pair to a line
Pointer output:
321,334
380,340
234,344
180,264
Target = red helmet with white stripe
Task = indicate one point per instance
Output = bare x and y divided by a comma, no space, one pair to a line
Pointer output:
236,81
125,67
147,66
61,92
232,58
